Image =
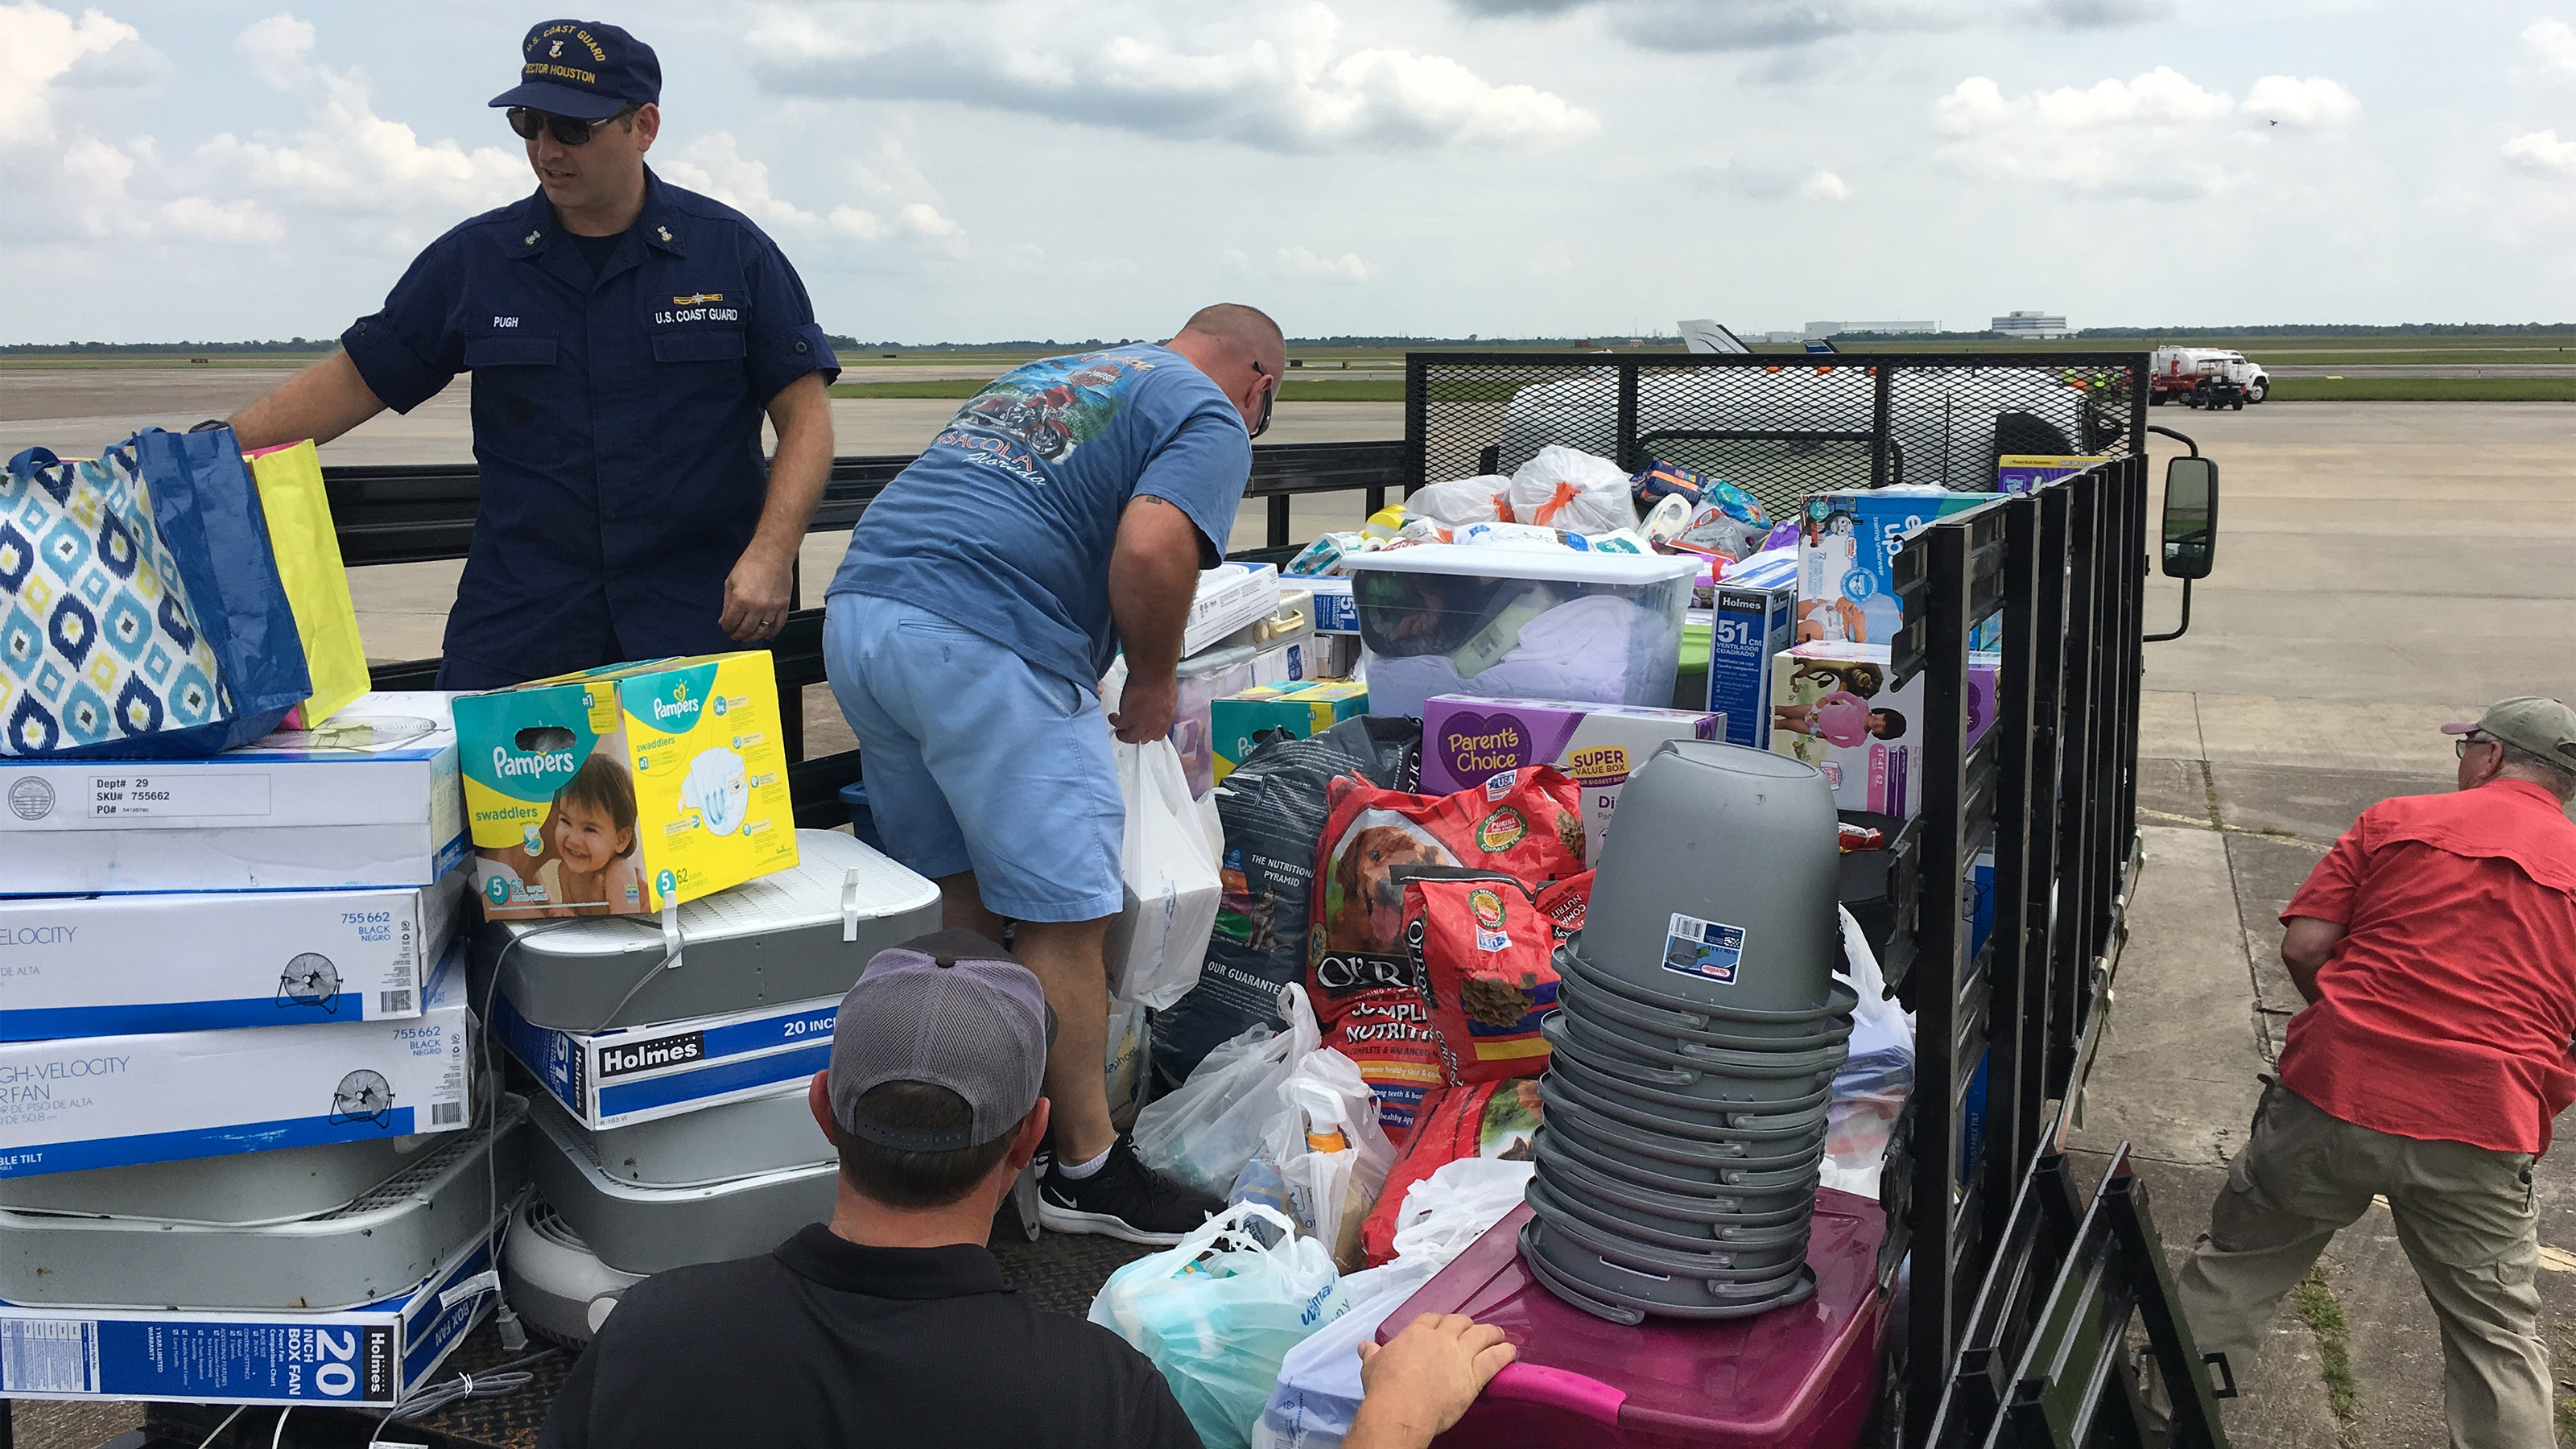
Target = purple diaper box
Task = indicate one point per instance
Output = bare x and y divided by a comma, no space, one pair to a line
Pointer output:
1468,738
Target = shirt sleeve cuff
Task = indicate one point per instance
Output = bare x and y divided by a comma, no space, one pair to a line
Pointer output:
398,378
781,357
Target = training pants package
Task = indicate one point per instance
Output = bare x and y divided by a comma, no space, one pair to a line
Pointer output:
376,1354
1467,738
1748,626
1831,707
1368,990
631,1074
111,1101
117,965
619,790
368,799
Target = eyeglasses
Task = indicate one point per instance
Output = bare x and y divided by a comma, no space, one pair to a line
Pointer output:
567,130
2473,737
1269,397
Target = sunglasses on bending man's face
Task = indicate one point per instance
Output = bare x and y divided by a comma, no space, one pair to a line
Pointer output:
2473,737
567,130
1269,396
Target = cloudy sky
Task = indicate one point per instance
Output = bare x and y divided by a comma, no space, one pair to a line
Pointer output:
972,169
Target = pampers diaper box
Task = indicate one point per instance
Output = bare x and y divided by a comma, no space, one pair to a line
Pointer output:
1303,711
111,1101
1847,547
621,790
368,799
1467,739
115,965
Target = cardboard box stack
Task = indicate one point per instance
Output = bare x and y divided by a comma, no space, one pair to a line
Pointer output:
237,1070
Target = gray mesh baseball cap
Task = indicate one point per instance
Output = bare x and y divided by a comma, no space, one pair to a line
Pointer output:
950,1009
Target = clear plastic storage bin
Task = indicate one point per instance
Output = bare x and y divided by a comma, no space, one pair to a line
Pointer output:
1519,624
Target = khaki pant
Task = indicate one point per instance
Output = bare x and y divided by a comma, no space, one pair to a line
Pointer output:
2464,1215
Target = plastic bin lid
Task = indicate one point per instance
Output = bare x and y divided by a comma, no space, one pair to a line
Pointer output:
1490,561
1747,1381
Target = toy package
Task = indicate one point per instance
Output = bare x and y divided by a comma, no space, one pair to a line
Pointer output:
617,791
1847,559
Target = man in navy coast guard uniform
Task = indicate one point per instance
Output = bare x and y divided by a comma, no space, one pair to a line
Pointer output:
625,338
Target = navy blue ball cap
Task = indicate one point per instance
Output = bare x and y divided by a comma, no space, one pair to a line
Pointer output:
585,70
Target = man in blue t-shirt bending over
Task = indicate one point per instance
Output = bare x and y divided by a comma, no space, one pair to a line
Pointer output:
1067,507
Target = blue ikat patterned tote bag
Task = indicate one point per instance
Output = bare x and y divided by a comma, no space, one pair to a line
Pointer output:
121,637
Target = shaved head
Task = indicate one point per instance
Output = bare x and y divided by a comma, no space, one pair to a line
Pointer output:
1247,331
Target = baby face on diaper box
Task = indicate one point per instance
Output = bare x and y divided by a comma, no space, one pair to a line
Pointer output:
1847,547
616,791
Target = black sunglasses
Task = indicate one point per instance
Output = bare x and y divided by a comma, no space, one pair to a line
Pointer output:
1268,398
567,130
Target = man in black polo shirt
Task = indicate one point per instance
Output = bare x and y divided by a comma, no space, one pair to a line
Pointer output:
892,1325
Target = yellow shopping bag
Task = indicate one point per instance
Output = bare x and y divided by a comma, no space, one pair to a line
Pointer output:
308,560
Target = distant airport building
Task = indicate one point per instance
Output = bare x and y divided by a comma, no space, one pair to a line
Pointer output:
2038,326
1837,329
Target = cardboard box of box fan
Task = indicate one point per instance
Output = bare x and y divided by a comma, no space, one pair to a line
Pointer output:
367,800
616,791
112,1101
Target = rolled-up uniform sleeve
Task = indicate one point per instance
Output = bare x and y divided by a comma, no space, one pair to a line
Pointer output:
786,342
412,348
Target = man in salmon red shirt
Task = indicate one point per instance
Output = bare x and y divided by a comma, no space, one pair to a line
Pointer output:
2436,947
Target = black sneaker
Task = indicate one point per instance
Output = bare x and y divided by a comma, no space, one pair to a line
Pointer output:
1124,1199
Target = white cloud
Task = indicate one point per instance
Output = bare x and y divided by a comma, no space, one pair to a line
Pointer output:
347,157
1296,82
2555,42
2314,102
923,219
278,50
2541,153
1722,25
1305,265
38,45
1824,186
2156,135
715,165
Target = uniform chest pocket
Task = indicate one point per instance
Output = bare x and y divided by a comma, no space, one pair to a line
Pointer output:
485,352
712,345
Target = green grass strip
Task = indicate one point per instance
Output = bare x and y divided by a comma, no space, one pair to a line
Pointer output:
2323,1313
2424,389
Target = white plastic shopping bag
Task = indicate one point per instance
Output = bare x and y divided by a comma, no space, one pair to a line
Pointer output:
1319,1381
1460,500
1159,940
1457,1204
1203,1133
1570,489
1219,1311
1328,1189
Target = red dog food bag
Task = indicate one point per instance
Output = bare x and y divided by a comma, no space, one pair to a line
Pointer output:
1564,902
1481,949
1373,1002
1482,1119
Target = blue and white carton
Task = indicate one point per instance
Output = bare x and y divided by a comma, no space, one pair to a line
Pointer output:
1748,624
370,799
112,1101
631,1074
375,1354
121,965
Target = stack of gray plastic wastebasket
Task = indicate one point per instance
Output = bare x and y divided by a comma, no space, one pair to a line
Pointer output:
1694,1055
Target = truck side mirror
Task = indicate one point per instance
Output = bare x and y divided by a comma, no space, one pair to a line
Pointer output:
2191,517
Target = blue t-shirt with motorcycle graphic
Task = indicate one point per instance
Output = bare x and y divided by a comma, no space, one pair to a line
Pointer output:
1005,523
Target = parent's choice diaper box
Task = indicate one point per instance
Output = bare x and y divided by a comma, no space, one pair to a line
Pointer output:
617,791
1847,547
116,965
111,1101
368,799
1832,707
376,1354
631,1074
1467,739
